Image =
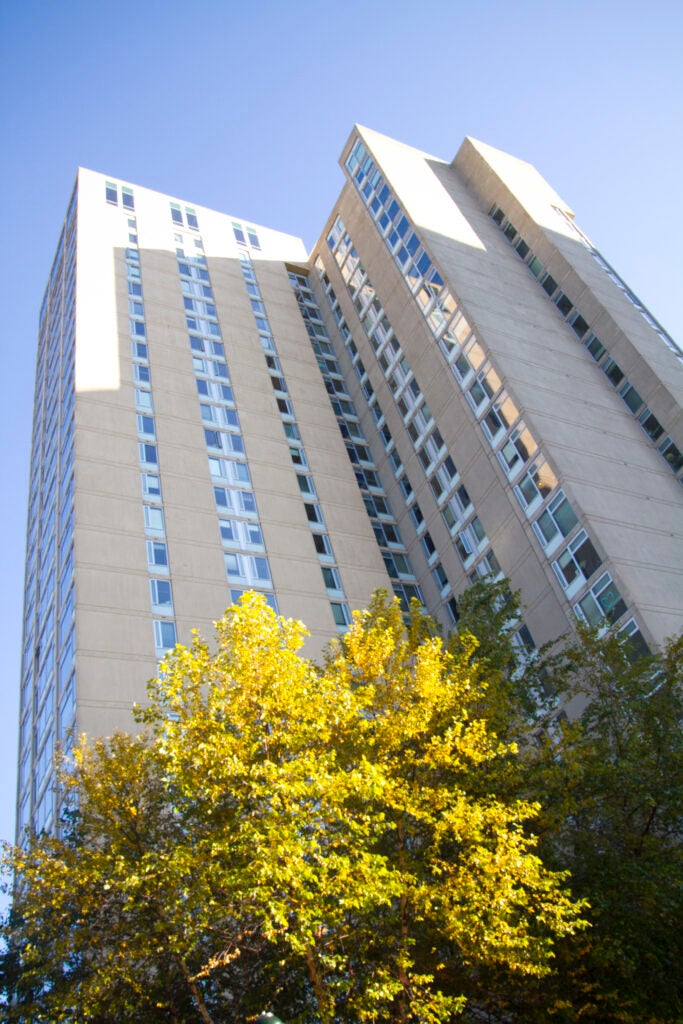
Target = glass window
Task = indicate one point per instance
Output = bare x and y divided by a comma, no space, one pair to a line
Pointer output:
151,484
603,601
631,397
154,519
613,372
147,454
517,450
157,554
342,616
331,578
322,544
556,521
440,578
536,484
162,601
313,513
146,426
577,563
164,635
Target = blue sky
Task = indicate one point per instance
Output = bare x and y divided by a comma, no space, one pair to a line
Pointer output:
245,108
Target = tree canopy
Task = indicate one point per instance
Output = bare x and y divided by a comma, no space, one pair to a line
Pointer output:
345,843
610,784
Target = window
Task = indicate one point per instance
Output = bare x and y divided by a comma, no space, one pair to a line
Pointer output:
517,450
577,563
250,569
635,639
555,522
145,426
499,418
164,635
342,616
154,519
331,578
483,389
111,193
234,500
127,200
651,425
613,372
603,601
440,578
322,545
143,398
535,485
151,486
416,516
428,545
672,454
306,485
157,555
595,347
631,397
162,601
147,454
313,513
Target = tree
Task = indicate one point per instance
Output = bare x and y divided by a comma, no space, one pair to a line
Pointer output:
313,834
610,781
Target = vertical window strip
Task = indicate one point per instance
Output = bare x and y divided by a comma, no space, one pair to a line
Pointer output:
581,327
450,327
246,560
158,564
46,715
321,540
385,527
436,462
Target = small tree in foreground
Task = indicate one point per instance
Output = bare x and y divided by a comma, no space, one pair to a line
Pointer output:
287,834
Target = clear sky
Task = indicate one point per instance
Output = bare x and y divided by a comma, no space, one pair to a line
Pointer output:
244,107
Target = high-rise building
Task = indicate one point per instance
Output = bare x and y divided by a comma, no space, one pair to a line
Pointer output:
455,384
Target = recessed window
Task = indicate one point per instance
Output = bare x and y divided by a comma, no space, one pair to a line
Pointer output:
147,454
331,578
555,522
342,616
151,485
577,563
536,484
603,601
651,425
595,347
631,397
157,555
164,635
154,519
613,372
162,601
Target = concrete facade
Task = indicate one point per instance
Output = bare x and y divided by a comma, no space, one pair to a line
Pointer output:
454,384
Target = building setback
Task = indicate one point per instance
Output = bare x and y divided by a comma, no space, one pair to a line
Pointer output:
454,384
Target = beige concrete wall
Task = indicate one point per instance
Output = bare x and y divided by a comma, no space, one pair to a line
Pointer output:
625,495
